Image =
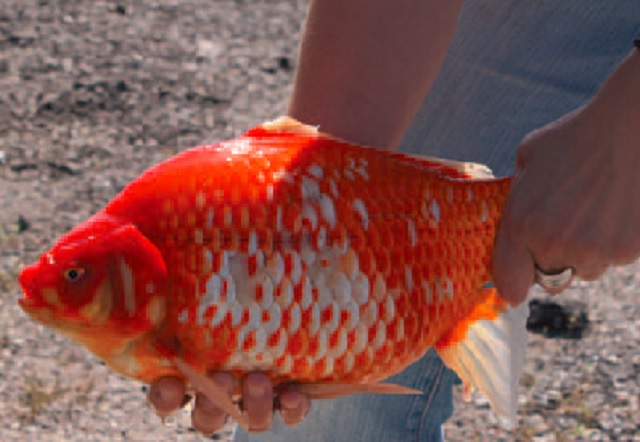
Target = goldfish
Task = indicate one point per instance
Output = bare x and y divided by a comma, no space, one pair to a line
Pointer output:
319,262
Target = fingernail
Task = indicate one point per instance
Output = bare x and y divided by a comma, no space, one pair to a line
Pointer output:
168,393
291,401
257,389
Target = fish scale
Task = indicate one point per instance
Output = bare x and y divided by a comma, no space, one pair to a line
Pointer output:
288,251
343,216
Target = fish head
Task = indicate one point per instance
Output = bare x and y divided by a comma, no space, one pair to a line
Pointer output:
102,285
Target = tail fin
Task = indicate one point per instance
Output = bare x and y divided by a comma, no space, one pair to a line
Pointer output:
487,351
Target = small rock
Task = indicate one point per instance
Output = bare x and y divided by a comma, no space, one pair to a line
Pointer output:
120,9
23,224
554,397
209,50
555,320
481,401
546,438
284,63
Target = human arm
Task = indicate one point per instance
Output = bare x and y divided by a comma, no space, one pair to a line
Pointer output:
574,201
366,65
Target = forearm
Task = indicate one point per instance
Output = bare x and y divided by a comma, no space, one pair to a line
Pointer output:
366,65
615,109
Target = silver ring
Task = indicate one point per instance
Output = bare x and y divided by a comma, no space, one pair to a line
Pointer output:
551,281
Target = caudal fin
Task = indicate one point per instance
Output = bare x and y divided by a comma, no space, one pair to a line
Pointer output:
487,351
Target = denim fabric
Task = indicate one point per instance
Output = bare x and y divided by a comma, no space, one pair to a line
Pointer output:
374,417
514,66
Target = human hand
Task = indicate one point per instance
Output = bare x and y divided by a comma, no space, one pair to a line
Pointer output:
575,199
260,399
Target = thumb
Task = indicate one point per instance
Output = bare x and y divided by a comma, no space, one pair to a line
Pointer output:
513,268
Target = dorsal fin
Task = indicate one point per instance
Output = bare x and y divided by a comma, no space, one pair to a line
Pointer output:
448,168
470,170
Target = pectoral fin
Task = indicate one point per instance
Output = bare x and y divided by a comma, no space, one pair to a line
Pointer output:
213,391
332,391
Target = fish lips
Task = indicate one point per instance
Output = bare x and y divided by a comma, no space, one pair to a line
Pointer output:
32,302
36,308
27,280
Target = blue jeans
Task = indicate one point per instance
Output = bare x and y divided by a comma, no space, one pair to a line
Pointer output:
514,65
376,418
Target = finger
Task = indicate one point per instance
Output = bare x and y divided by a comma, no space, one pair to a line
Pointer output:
207,417
166,396
588,267
257,400
294,407
512,268
591,272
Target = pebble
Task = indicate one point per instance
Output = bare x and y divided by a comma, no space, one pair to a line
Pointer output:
546,438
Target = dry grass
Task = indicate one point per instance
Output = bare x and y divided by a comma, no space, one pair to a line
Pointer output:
38,396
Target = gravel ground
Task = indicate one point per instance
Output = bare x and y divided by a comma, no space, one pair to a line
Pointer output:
94,92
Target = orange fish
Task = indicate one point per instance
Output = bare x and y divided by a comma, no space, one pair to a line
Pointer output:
317,261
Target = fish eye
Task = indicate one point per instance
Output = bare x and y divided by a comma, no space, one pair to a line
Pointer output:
74,273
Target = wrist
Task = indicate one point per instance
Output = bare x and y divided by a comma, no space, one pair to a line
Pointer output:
615,109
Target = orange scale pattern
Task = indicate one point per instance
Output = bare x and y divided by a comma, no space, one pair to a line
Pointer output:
312,259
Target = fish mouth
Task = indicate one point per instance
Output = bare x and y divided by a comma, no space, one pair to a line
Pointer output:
26,279
32,304
32,300
37,310
28,302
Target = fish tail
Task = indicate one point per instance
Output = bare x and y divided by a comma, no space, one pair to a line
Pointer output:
487,349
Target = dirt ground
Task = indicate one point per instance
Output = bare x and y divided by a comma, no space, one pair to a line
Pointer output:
94,92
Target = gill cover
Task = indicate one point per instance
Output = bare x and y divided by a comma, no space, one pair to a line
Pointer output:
137,275
101,271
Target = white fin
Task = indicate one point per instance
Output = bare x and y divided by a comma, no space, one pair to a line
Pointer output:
491,358
213,391
474,170
288,124
293,126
